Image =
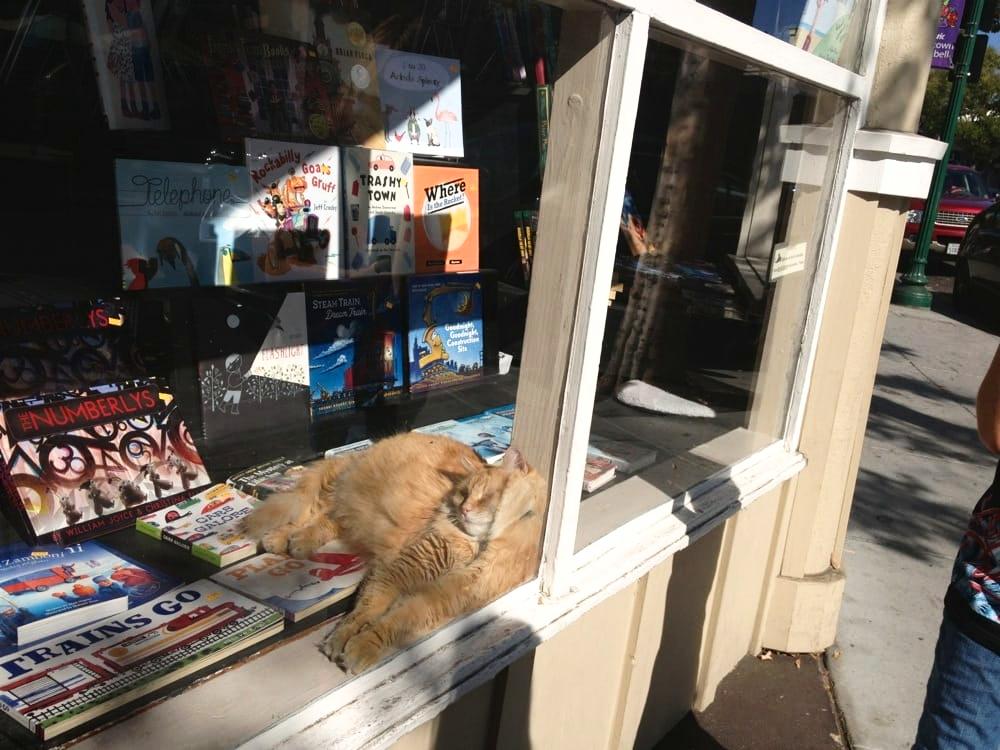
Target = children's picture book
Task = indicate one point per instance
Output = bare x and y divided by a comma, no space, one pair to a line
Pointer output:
824,27
208,525
338,322
447,208
76,464
384,352
506,411
347,63
627,456
284,353
597,472
58,348
446,330
487,434
343,450
421,99
73,678
297,587
378,204
127,58
184,225
295,195
263,480
224,63
49,589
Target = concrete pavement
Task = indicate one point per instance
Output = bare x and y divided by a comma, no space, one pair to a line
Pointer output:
922,470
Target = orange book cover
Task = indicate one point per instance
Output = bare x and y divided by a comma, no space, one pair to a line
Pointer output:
447,212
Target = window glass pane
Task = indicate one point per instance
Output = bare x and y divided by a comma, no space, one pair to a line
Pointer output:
727,190
304,224
830,29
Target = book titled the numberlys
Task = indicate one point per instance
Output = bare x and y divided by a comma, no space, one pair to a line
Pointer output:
263,480
447,208
48,589
297,587
80,463
208,525
76,677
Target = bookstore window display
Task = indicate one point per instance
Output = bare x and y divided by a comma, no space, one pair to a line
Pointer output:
725,202
280,230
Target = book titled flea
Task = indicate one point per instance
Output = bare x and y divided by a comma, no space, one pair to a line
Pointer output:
297,587
79,463
76,677
208,525
49,589
446,330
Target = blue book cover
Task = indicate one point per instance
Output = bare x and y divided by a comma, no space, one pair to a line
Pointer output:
337,322
49,589
446,330
183,225
385,345
487,434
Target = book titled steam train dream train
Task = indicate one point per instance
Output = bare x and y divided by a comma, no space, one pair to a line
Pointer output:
73,678
79,463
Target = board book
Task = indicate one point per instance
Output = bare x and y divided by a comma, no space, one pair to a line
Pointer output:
207,525
378,210
73,678
263,480
342,450
297,587
183,225
446,330
295,197
487,434
447,208
80,463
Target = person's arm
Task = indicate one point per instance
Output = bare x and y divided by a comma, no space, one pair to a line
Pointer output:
988,407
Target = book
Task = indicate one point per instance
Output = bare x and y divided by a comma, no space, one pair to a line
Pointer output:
127,58
424,93
61,347
384,346
356,447
627,456
447,209
73,678
487,434
506,411
295,195
80,463
183,224
823,28
263,480
446,330
378,204
597,472
338,321
298,588
207,525
226,72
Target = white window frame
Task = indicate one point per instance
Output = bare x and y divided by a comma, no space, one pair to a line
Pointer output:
378,707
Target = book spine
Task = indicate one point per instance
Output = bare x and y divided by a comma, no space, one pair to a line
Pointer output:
15,510
184,544
533,225
543,104
114,521
21,719
521,247
148,529
205,554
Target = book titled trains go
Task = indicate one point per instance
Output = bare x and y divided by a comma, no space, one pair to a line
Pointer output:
76,464
76,677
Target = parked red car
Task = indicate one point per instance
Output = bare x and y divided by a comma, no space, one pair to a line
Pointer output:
965,195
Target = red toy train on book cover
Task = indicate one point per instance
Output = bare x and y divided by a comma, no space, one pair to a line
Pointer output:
79,463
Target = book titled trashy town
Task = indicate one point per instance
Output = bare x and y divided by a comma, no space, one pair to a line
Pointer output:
79,463
75,677
446,330
207,525
49,589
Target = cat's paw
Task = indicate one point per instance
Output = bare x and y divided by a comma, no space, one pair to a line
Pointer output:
263,520
303,542
362,651
276,541
333,644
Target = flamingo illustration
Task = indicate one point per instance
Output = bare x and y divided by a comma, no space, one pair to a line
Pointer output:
444,116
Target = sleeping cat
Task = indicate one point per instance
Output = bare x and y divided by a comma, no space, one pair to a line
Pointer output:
443,533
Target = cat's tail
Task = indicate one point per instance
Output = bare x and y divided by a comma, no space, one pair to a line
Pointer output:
298,507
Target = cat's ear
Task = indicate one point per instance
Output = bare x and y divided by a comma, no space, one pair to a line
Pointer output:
513,460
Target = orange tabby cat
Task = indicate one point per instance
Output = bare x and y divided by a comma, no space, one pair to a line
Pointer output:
444,534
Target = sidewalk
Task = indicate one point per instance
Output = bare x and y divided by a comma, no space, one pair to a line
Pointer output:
922,470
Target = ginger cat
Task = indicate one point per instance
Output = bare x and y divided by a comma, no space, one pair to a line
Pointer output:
443,533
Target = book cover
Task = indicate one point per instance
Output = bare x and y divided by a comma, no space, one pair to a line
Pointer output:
263,480
229,83
507,411
252,369
421,97
58,348
127,58
383,353
628,457
487,434
297,587
338,322
182,224
79,463
823,27
78,676
208,525
347,64
295,195
447,209
378,205
342,450
446,330
597,472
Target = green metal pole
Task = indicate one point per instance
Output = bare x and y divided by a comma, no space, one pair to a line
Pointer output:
912,290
